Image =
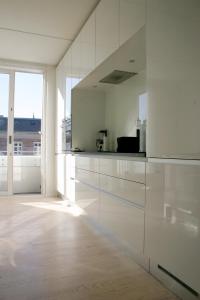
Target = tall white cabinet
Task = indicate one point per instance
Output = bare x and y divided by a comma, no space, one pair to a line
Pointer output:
173,67
172,218
111,191
87,49
131,18
107,29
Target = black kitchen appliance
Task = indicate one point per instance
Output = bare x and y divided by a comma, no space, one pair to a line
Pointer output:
128,144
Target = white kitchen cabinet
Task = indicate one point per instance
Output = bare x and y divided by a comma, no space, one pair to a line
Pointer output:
107,29
69,179
172,218
60,170
87,50
128,190
87,163
115,204
122,220
121,168
87,177
76,61
173,67
87,198
132,18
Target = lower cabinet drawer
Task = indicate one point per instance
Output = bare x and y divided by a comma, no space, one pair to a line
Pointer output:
87,177
123,220
87,198
125,169
87,163
131,191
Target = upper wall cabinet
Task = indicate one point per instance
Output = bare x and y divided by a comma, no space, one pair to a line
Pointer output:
87,49
173,67
107,29
76,60
132,18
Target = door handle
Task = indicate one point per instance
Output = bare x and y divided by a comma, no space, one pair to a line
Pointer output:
10,139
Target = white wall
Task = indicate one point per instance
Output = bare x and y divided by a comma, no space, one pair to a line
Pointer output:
88,117
122,103
60,106
173,80
49,119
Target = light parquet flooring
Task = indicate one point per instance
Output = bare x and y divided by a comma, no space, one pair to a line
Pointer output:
48,253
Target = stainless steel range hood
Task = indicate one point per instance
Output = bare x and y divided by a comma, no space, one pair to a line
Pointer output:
117,77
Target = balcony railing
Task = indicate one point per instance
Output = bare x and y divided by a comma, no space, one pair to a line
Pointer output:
26,173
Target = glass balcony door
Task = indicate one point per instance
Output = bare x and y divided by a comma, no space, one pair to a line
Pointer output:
21,99
28,101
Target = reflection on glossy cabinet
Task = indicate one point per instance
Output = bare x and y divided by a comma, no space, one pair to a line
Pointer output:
87,163
172,219
132,18
123,220
87,177
87,198
107,29
69,180
60,170
126,169
128,190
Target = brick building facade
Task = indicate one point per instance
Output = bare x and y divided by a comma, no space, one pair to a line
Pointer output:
27,137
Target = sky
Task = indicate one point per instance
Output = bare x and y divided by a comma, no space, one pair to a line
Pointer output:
28,95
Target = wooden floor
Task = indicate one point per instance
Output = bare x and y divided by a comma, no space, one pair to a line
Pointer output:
49,252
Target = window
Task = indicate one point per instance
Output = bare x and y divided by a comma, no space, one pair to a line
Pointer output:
143,107
36,148
18,148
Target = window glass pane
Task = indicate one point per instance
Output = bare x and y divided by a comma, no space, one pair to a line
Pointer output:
27,132
143,107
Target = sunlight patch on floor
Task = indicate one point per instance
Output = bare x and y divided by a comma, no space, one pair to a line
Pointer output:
57,206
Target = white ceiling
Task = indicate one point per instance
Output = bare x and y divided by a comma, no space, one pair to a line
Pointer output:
40,31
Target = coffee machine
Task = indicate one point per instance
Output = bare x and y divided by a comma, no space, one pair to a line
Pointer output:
101,141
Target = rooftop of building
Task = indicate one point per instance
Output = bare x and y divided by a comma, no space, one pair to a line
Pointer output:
22,124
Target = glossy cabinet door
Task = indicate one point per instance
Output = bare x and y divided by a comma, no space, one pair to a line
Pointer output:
87,198
173,218
173,67
125,169
107,29
87,50
87,163
123,220
76,61
70,179
132,18
128,190
87,177
60,170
